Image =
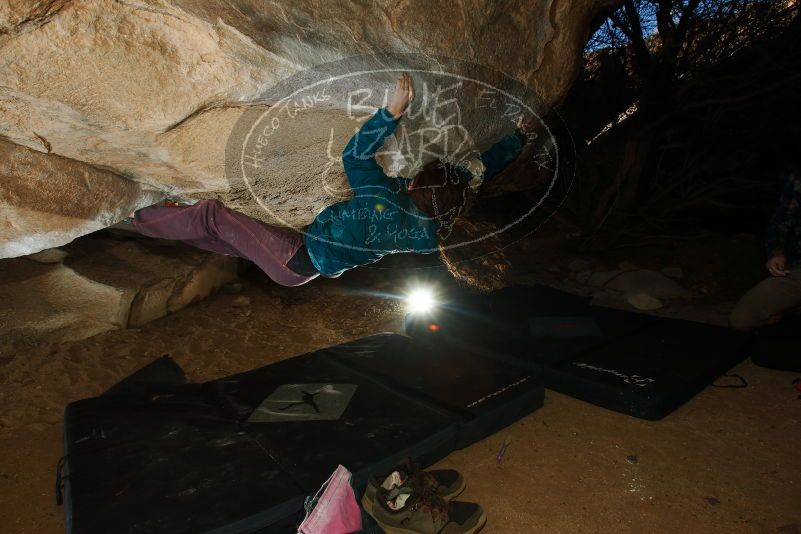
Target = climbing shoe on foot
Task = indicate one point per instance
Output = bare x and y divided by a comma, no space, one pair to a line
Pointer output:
447,483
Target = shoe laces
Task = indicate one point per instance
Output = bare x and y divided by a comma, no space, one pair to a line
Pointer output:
433,504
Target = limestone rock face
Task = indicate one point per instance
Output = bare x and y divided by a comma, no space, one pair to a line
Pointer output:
151,91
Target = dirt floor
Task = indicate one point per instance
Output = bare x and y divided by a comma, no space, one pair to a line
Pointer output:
727,461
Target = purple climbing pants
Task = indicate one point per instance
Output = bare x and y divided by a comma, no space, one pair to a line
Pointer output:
211,226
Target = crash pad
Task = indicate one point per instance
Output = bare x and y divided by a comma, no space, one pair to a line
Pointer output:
240,454
642,365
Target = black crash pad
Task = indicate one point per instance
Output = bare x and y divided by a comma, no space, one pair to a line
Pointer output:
239,454
376,429
535,323
649,374
637,364
171,460
485,395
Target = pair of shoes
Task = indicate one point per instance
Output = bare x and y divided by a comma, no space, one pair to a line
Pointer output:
409,500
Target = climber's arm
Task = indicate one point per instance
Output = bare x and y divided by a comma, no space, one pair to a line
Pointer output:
502,154
358,158
508,148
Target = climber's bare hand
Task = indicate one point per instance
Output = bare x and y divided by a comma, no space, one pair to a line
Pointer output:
777,265
403,94
527,125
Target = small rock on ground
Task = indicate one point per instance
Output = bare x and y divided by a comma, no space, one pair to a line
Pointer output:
643,301
241,302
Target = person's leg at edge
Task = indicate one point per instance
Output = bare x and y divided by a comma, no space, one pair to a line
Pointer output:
768,301
209,225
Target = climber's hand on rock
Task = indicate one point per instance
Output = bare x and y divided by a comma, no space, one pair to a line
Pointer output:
403,94
777,265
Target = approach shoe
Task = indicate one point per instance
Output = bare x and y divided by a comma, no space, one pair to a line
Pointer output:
447,483
409,507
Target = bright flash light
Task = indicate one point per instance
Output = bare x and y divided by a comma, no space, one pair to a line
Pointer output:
421,300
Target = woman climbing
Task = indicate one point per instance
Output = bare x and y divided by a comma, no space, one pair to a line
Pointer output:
385,216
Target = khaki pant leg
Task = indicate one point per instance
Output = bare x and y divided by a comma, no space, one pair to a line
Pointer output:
771,298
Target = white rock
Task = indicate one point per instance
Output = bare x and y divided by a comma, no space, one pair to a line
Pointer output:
643,301
241,302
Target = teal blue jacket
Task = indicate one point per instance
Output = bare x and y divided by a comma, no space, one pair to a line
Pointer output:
381,218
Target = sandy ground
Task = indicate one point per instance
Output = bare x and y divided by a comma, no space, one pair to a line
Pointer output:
727,461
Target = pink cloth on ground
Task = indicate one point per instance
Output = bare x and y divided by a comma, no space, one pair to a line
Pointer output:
337,511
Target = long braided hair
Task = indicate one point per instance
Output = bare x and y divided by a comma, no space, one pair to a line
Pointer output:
444,194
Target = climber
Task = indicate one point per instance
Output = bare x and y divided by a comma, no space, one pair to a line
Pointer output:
780,293
386,215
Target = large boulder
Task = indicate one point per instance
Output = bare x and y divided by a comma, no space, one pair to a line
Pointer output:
154,91
649,282
95,285
49,200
